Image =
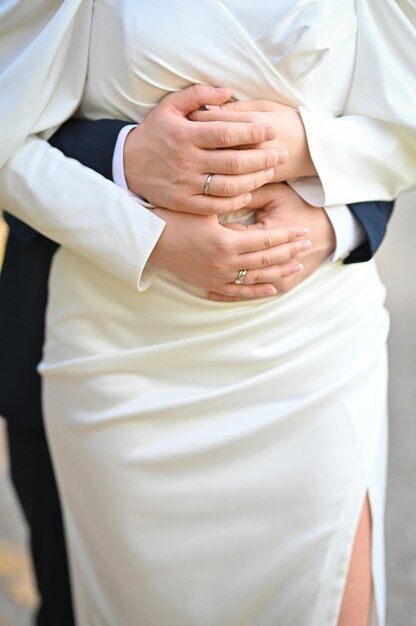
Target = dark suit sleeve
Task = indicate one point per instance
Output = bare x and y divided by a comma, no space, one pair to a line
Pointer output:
374,218
89,142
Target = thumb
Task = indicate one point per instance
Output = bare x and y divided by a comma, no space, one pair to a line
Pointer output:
193,98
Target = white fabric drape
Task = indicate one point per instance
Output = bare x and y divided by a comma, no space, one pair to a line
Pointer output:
43,63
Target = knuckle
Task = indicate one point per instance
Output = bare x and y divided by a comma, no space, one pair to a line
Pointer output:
181,178
175,197
199,90
270,159
214,207
266,260
216,270
223,247
180,137
234,164
226,136
267,241
256,133
228,188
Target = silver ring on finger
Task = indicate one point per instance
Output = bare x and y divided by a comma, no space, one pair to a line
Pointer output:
207,182
241,276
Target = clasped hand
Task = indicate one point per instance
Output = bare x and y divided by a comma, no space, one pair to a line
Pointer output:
167,159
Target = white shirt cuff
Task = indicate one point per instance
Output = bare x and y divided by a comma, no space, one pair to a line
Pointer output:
118,163
349,232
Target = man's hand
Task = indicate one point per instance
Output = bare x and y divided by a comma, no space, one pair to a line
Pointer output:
278,205
167,158
286,122
202,252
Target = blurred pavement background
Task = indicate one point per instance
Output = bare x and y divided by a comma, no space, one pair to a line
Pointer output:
397,264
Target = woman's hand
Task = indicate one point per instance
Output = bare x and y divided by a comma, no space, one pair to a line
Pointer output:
167,158
286,122
278,205
202,252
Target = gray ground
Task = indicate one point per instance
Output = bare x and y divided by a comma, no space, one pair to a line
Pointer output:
397,263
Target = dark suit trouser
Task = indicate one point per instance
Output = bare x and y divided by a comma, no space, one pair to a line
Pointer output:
23,294
34,483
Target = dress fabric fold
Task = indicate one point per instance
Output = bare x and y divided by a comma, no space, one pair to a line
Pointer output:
213,458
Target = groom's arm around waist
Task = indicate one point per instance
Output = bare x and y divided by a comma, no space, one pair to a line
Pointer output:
92,144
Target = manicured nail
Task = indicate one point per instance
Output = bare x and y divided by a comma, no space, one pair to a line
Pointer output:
301,231
296,267
246,199
211,107
269,173
269,290
305,244
283,156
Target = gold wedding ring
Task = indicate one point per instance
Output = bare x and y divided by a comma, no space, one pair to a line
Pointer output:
207,182
240,278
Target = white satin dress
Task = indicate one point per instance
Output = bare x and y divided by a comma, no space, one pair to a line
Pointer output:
213,458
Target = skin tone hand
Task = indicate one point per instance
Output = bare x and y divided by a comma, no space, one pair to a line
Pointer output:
279,205
167,158
202,252
286,122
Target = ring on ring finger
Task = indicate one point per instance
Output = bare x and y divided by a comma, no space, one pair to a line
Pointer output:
240,278
207,182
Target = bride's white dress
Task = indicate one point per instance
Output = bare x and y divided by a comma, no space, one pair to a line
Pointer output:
213,457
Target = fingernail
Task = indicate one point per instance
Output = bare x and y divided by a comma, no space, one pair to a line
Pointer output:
211,107
269,133
246,199
283,156
269,290
301,231
305,244
269,173
296,267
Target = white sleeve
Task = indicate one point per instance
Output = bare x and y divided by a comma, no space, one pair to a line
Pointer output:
369,153
43,62
80,209
349,233
118,157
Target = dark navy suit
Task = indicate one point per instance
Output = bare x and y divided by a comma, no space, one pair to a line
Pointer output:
23,296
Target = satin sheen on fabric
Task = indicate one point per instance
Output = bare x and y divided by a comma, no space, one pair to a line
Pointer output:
213,458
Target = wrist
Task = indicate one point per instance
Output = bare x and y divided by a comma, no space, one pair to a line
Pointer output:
299,164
